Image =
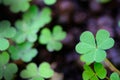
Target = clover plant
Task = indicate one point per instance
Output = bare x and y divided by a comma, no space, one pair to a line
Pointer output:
93,50
7,70
49,2
32,72
52,39
114,76
98,72
23,51
32,21
6,32
17,5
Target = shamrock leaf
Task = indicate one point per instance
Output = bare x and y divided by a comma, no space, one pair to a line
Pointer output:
52,39
49,2
99,72
7,70
114,76
32,21
33,72
94,49
23,51
17,5
6,31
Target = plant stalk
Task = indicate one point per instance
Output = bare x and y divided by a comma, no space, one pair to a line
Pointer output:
111,66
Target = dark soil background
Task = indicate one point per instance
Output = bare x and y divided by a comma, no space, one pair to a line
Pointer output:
75,16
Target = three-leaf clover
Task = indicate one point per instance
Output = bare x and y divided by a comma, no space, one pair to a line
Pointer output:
114,76
98,72
49,2
32,72
23,51
7,70
94,49
6,31
32,21
17,5
52,39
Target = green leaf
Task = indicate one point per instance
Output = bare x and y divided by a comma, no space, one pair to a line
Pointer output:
10,70
45,36
32,21
103,1
114,76
17,5
52,39
92,50
30,71
60,34
7,70
89,74
4,44
103,40
45,70
100,70
4,58
6,31
24,51
49,2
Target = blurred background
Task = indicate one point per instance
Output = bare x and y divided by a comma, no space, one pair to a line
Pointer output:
75,17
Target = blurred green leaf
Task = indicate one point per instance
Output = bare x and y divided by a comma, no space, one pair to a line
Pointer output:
94,49
17,5
52,39
33,72
7,70
98,72
114,76
103,1
45,70
6,31
49,2
32,21
24,51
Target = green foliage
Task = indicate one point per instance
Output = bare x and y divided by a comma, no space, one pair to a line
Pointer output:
17,5
6,31
103,1
7,70
32,21
49,2
119,23
114,76
98,72
52,39
93,49
24,51
33,72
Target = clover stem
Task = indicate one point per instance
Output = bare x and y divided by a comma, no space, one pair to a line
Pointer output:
111,66
107,78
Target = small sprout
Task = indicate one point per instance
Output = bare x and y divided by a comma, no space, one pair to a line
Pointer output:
49,2
33,72
17,5
52,40
103,1
32,21
98,72
24,51
6,31
7,70
94,49
114,76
